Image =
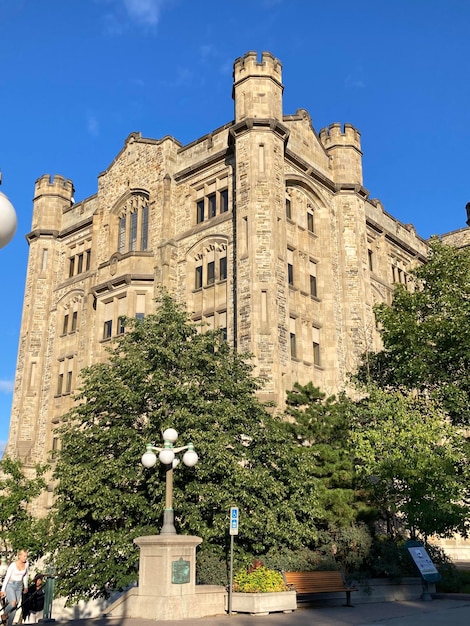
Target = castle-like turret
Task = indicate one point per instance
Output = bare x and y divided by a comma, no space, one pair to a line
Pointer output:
51,197
257,87
344,149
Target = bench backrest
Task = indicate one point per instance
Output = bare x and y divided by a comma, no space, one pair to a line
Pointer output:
315,582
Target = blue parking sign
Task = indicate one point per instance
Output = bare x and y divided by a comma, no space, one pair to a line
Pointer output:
234,520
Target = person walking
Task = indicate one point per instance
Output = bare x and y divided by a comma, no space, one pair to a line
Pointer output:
14,585
33,602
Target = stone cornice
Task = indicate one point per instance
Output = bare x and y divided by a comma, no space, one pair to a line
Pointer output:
118,281
251,123
211,160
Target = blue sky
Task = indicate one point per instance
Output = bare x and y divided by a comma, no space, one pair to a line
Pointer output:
78,76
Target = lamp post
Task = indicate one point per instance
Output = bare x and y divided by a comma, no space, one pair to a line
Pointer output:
167,457
8,220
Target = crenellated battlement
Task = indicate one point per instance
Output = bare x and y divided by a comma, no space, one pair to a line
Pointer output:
336,135
248,66
57,185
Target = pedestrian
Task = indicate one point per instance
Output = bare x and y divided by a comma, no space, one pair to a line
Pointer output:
33,601
14,585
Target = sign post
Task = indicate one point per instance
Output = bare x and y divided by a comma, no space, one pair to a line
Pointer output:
426,567
233,529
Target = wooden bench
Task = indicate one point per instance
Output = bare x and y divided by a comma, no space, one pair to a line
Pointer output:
318,582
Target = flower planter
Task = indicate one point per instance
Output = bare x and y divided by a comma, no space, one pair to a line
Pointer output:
264,603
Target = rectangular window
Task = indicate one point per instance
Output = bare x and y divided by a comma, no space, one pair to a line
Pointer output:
310,223
222,321
68,383
139,316
71,266
44,259
223,268
313,279
65,326
212,205
122,235
224,201
316,345
120,325
198,277
292,338
80,263
87,260
290,267
145,229
210,273
370,258
200,211
108,329
60,384
74,320
288,209
133,238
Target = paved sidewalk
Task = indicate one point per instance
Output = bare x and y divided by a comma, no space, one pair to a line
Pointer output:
438,612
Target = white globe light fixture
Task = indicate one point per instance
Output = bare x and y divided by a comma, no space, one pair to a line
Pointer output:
8,221
167,456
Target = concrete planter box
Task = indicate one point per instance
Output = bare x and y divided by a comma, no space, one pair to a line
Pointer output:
264,603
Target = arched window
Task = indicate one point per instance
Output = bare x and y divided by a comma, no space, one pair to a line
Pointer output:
133,224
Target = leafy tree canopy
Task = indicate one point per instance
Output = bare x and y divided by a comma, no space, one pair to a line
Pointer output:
413,462
426,333
163,372
18,528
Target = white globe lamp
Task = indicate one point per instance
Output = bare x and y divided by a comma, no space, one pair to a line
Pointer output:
8,221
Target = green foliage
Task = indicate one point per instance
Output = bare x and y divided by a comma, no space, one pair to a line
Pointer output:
164,372
259,580
18,528
412,462
426,333
322,425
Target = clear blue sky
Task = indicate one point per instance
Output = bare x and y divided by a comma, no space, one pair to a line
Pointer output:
77,76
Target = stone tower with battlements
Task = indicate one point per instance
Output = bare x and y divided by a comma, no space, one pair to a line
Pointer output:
262,227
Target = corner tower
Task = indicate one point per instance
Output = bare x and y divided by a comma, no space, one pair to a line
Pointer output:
257,87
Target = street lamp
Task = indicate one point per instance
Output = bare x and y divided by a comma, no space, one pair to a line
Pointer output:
8,220
167,457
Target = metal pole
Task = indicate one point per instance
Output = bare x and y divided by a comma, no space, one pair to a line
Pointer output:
168,527
230,585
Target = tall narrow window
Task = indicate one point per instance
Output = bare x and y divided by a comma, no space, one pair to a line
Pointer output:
68,382
65,325
44,259
122,235
316,345
200,211
370,258
133,239
223,268
60,384
145,228
292,338
313,278
120,325
288,209
108,329
224,201
310,222
210,272
87,260
80,263
71,266
74,321
212,204
290,267
198,277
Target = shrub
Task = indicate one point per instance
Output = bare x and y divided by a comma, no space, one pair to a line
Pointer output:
259,580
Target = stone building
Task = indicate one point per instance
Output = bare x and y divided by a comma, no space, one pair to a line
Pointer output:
262,227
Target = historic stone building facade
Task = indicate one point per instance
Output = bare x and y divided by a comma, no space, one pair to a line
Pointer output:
262,227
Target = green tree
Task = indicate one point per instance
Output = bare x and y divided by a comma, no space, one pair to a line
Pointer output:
18,528
426,333
322,425
413,462
163,372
